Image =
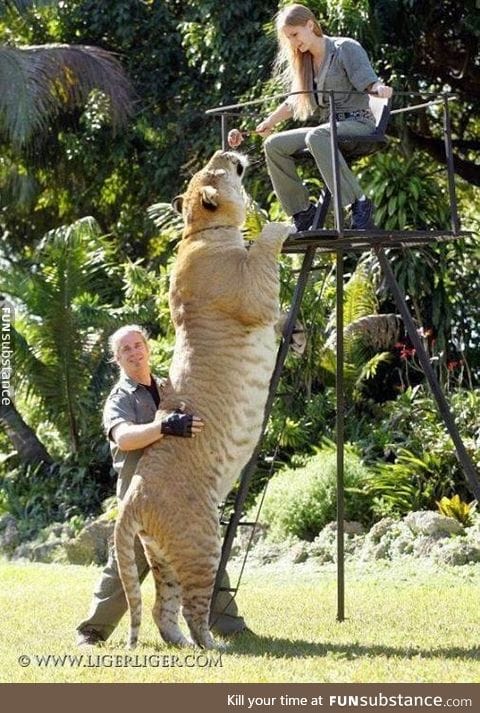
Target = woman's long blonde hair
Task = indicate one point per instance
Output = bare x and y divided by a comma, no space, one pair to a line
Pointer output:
293,67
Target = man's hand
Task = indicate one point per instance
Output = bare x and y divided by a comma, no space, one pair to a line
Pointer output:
180,424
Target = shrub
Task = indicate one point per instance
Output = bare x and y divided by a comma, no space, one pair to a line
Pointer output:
456,508
301,502
40,495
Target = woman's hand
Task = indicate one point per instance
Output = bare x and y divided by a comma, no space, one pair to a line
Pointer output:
235,136
381,90
264,128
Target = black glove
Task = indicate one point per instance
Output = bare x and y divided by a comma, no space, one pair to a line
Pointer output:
177,424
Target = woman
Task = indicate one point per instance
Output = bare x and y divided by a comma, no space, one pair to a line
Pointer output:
311,61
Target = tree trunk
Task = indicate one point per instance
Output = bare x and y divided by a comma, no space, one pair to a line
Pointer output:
468,170
30,450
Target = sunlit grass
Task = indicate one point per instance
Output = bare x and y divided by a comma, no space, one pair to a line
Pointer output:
404,623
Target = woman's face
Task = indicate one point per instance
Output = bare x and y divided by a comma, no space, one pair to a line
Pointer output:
300,37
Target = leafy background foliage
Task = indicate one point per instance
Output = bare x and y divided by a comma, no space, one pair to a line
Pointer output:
90,160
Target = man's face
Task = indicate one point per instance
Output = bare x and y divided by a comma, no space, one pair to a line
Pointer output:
133,353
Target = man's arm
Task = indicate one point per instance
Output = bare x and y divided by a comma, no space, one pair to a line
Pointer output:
132,436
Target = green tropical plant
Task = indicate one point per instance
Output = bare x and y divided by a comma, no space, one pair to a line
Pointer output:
417,480
62,315
411,421
37,495
38,83
398,488
369,337
300,502
68,299
198,55
457,508
407,192
431,276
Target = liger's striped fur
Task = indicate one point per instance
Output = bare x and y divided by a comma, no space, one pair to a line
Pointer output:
224,305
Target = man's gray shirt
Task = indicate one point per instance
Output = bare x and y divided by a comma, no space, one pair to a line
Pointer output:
128,402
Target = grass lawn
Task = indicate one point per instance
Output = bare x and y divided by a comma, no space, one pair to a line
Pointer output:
409,622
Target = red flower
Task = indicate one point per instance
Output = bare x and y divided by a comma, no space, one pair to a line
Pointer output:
453,364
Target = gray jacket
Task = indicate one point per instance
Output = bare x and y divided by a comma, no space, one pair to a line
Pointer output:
345,68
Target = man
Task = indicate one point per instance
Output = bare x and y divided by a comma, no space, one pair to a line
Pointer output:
132,422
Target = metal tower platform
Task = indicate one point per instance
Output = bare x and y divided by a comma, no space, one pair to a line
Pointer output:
341,241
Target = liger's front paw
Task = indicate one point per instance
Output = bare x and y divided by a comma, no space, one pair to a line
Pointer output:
276,232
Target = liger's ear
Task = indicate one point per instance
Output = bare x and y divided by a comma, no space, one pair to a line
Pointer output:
177,204
209,197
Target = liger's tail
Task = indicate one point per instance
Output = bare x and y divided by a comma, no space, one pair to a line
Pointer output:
125,532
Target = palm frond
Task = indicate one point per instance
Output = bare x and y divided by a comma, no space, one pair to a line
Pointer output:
166,219
28,362
360,298
328,365
369,369
37,83
23,6
24,287
59,320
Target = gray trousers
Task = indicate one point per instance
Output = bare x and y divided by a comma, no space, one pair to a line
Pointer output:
279,149
109,603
